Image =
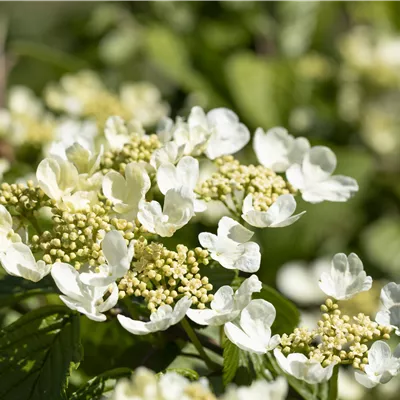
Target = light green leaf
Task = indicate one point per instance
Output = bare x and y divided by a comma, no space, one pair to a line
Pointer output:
37,352
261,88
94,389
231,361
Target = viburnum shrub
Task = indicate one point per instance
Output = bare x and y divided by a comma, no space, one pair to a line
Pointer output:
97,226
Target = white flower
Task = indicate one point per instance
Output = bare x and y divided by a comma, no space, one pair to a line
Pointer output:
83,298
231,248
298,281
390,313
279,215
4,165
169,153
18,260
226,305
185,174
57,177
7,235
313,177
216,133
177,211
301,367
160,320
227,134
144,385
259,390
118,257
277,150
117,132
382,365
126,193
346,279
253,331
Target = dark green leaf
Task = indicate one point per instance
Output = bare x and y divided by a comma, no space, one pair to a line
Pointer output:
37,352
94,389
14,289
231,361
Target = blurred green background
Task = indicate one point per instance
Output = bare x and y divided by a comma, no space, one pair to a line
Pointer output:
329,71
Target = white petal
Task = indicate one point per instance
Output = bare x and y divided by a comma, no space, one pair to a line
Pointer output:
111,301
178,206
250,259
116,133
18,260
208,240
364,379
201,317
180,309
272,148
257,318
390,294
114,186
167,178
6,222
197,118
242,340
228,227
133,326
223,299
247,288
116,252
295,176
188,172
319,163
148,214
67,280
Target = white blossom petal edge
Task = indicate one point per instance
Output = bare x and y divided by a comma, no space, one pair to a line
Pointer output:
18,260
253,332
177,211
226,305
301,367
382,365
160,320
231,248
7,235
56,177
83,298
346,279
277,150
259,390
279,215
118,257
389,315
313,177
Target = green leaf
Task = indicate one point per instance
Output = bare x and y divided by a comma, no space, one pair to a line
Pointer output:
186,372
287,314
94,389
37,353
14,289
231,361
261,88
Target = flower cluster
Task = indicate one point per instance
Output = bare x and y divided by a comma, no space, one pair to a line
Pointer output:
171,386
97,217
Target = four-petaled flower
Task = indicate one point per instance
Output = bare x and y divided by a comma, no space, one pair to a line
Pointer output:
231,246
346,278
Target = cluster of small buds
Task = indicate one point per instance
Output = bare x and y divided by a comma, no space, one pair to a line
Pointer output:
76,237
140,148
162,276
337,339
24,199
232,177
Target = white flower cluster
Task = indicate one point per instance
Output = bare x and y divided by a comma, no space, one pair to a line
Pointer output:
145,385
110,201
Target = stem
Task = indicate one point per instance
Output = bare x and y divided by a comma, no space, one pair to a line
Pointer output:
195,340
333,384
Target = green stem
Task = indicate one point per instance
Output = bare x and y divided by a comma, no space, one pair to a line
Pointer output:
195,340
333,384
